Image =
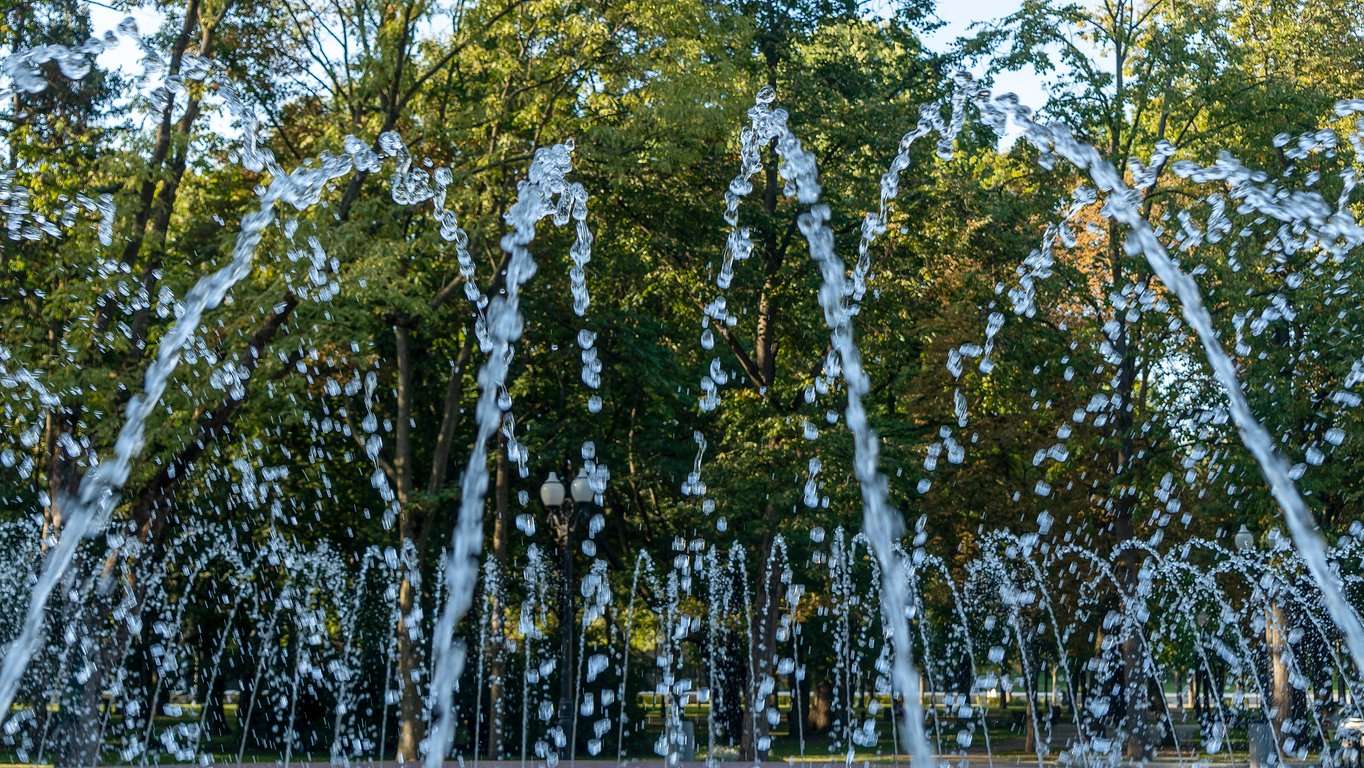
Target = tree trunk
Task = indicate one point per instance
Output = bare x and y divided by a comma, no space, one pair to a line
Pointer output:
496,630
75,739
731,697
1280,688
1197,693
820,714
1029,734
764,629
1134,685
411,724
409,675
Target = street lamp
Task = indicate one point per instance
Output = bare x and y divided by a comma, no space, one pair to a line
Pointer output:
1244,539
568,505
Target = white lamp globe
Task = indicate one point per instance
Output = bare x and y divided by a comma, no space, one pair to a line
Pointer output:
582,487
552,491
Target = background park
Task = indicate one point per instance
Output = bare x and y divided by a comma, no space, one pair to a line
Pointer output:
545,381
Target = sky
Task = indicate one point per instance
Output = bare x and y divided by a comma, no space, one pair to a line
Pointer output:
959,15
126,55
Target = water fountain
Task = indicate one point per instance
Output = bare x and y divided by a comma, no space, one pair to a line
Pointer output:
922,652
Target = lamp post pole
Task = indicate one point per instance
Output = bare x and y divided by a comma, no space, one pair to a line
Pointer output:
581,492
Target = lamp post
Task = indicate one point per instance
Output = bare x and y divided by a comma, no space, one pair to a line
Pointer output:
567,507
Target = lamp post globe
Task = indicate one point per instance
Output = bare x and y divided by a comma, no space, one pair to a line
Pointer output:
552,491
581,487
